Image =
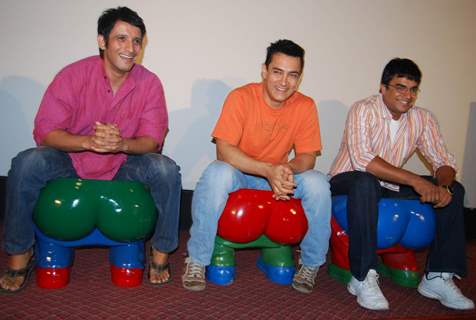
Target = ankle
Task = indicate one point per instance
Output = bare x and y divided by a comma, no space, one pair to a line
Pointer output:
159,257
19,261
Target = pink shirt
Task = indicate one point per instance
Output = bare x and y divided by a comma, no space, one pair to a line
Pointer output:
367,135
80,95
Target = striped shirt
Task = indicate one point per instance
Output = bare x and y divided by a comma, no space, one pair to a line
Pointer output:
367,135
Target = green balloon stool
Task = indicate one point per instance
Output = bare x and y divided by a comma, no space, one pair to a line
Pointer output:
79,212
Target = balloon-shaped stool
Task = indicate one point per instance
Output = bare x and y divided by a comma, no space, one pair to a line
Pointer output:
253,219
403,226
78,212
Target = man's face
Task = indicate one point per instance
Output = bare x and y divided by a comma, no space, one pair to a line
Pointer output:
122,48
399,95
280,79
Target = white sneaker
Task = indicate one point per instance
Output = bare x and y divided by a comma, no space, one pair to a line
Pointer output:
440,286
368,292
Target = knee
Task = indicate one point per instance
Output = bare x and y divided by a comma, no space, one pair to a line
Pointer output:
458,189
162,166
365,182
33,160
457,200
314,183
219,174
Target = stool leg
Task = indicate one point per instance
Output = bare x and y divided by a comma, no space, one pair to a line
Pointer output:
339,268
278,264
221,270
127,264
401,267
53,265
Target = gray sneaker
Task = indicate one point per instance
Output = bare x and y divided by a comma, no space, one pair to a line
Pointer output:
194,276
305,279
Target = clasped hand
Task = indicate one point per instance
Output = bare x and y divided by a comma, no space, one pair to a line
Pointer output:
432,193
281,179
105,139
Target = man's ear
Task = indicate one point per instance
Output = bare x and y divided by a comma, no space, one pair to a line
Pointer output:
382,88
101,42
264,71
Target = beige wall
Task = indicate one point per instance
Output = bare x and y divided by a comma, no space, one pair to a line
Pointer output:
202,49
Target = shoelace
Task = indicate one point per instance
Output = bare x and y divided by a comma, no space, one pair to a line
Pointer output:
450,283
308,273
448,279
372,282
194,270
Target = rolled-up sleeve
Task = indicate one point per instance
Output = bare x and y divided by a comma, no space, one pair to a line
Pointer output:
55,108
358,136
432,145
154,119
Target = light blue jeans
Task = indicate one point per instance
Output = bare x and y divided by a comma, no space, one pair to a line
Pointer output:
220,178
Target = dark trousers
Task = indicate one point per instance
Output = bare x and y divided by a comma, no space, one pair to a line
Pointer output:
363,190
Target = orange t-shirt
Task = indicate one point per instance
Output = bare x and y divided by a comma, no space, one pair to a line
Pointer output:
265,133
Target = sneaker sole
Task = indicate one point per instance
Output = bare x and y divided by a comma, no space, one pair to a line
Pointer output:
194,287
431,295
301,289
428,294
352,291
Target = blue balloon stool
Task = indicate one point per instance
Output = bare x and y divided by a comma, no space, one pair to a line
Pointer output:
403,226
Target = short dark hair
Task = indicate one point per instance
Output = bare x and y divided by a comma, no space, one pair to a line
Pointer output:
110,16
287,47
401,68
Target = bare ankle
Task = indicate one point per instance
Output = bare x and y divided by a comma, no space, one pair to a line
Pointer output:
19,261
159,257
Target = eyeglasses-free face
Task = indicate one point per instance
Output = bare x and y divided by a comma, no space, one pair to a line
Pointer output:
399,95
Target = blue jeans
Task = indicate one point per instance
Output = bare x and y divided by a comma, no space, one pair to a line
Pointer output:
220,178
33,168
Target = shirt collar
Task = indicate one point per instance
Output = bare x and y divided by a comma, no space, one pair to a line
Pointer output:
131,77
385,112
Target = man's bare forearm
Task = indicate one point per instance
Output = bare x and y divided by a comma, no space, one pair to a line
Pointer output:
303,162
65,141
238,159
385,171
140,145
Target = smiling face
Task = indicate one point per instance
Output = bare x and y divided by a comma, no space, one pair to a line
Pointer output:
399,95
121,49
280,79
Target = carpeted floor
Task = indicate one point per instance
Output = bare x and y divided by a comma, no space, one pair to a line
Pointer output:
90,295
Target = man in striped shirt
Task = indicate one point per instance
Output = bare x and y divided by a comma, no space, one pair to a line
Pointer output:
381,133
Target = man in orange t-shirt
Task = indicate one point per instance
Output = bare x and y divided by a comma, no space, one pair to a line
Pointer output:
260,124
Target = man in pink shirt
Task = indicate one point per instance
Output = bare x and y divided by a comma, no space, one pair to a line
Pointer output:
381,133
103,117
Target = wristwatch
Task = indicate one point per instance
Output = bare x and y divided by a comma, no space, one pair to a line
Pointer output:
448,189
